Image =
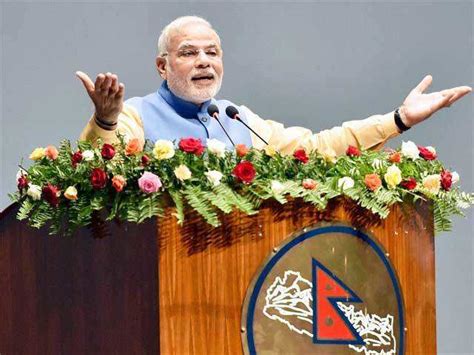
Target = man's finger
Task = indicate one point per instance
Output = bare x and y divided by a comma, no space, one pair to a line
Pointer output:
121,91
423,85
460,92
86,81
106,84
443,101
114,86
98,81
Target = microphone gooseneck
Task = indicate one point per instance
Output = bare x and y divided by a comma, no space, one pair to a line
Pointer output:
233,113
213,111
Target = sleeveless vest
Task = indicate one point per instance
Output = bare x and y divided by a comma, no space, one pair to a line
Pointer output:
166,116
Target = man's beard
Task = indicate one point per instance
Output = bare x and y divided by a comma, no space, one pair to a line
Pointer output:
186,91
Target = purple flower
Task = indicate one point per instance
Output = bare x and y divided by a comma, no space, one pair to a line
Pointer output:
149,183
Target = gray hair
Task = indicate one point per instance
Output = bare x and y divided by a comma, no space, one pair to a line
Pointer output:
175,25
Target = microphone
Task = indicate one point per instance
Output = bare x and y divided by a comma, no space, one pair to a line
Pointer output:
233,113
213,111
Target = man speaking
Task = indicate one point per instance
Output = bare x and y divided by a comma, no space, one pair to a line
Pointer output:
190,62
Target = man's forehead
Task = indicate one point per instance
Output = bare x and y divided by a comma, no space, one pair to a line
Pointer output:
194,35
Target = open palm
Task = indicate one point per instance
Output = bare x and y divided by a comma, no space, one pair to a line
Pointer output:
418,106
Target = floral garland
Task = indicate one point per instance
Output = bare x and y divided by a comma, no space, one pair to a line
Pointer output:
64,187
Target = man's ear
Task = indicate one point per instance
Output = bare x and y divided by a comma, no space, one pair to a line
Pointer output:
161,66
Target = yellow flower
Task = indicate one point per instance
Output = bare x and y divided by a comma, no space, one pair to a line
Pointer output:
329,155
71,193
38,153
182,172
270,150
432,183
163,149
393,176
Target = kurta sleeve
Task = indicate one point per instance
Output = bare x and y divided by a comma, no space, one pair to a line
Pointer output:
369,133
129,124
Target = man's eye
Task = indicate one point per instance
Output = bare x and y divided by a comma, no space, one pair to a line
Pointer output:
211,53
187,53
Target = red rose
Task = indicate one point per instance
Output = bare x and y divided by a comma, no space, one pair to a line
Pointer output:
145,160
395,157
408,184
98,178
22,182
108,151
191,145
353,151
446,179
244,171
76,158
300,155
426,153
50,194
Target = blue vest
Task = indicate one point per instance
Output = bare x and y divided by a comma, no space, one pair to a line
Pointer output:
166,116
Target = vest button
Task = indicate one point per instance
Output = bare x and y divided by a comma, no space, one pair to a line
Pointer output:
204,119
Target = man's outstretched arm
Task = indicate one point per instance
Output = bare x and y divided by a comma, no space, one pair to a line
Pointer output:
371,133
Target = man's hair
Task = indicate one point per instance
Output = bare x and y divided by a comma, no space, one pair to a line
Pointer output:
175,25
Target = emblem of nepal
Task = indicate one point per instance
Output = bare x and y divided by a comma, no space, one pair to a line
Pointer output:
327,290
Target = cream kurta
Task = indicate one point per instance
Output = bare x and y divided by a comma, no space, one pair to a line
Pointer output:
370,133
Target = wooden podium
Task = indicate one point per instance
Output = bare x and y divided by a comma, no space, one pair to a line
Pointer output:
160,288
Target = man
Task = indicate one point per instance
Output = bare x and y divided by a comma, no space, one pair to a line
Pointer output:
190,62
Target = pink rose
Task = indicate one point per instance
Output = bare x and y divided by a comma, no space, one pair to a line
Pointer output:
51,152
149,183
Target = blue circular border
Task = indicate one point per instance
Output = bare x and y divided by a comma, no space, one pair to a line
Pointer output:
313,233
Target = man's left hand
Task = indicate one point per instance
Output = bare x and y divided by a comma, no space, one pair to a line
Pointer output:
417,107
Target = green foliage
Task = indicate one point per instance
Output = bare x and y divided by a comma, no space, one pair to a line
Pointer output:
277,178
197,199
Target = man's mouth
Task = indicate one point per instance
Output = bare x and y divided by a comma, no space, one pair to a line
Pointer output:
203,78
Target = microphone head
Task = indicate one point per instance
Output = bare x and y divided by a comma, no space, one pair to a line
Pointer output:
212,110
232,112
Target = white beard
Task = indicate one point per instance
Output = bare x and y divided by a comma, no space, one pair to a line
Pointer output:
188,92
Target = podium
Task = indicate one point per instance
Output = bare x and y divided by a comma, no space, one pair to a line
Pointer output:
161,288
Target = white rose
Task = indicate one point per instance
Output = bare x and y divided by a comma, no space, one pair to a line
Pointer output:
88,155
214,177
34,191
20,173
182,172
345,183
455,177
216,147
410,150
277,187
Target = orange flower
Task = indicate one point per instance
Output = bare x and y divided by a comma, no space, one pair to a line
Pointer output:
133,147
395,157
241,150
51,152
372,181
310,184
118,182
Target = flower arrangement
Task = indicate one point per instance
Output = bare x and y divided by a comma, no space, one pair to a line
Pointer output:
63,187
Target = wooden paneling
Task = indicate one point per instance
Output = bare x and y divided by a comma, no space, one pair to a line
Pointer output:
205,272
82,295
77,295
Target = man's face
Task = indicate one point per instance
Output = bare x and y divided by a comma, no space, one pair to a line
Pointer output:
193,65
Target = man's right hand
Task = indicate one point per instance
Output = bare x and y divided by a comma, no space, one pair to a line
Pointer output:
106,94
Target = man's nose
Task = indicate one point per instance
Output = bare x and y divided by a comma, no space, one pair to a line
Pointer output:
202,60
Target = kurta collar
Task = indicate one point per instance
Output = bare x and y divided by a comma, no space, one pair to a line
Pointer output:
182,107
